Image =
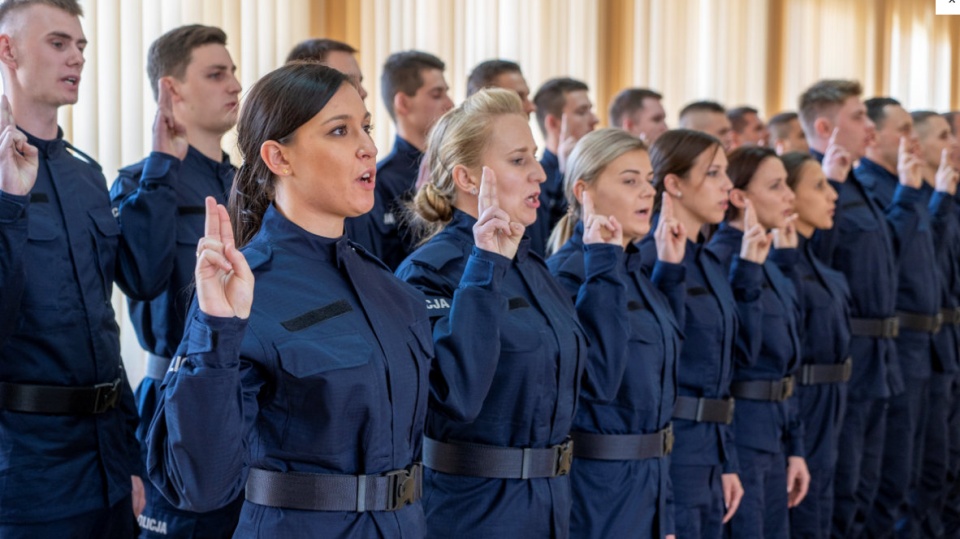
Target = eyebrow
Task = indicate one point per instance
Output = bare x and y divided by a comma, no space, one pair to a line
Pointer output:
64,35
630,171
345,117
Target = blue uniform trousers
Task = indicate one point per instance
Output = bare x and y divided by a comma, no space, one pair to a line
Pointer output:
114,522
698,496
763,510
859,456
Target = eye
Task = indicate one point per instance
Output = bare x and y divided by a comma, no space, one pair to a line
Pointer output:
339,131
518,161
216,76
629,181
713,173
368,128
57,44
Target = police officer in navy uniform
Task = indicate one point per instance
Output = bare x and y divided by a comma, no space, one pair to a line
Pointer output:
160,207
620,472
564,115
825,343
415,94
508,372
313,395
66,410
722,314
860,246
892,174
769,432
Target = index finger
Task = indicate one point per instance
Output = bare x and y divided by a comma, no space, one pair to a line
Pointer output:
749,218
488,190
666,206
211,225
944,158
833,136
164,100
564,126
6,113
226,229
588,208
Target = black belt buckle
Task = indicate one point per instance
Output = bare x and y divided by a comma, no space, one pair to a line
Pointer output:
786,388
733,404
564,457
938,323
668,440
106,396
891,327
847,368
403,487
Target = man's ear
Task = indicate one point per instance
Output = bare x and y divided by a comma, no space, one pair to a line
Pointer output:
823,128
8,55
401,104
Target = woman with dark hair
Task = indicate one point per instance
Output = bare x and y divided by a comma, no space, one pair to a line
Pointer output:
511,351
621,445
825,344
721,314
312,396
766,417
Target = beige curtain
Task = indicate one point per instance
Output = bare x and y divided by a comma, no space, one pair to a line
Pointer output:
757,52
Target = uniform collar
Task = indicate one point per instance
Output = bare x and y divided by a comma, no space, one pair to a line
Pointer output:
49,148
197,158
873,172
287,235
462,223
727,234
405,151
550,159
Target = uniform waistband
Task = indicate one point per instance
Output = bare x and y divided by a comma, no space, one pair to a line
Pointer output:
589,445
496,462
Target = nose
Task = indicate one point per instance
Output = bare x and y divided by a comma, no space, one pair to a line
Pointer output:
539,176
368,148
447,103
235,87
363,92
528,106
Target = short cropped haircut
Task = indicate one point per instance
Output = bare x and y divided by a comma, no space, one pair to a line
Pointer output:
738,117
402,73
552,97
702,106
628,101
950,117
171,53
875,106
921,117
317,50
9,6
485,73
824,97
778,125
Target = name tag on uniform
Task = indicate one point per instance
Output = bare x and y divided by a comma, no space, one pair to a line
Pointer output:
389,219
438,306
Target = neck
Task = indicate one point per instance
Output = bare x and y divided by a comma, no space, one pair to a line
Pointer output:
930,176
318,224
39,120
805,229
468,204
552,143
415,137
209,144
690,222
736,223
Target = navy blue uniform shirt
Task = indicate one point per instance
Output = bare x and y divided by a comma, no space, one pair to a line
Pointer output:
553,204
946,243
328,375
505,375
58,259
861,247
381,230
767,425
918,278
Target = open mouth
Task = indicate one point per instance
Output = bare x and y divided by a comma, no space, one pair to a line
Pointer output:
367,177
533,200
72,81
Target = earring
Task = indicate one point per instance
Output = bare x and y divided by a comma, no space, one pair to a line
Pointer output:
473,191
678,195
286,172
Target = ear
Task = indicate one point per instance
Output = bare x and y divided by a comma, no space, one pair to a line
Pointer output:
737,142
671,184
552,123
400,104
738,198
7,55
465,180
823,128
274,155
579,187
176,93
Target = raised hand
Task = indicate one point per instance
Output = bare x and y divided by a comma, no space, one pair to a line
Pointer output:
909,165
169,136
671,235
599,228
836,160
224,280
947,176
19,159
786,237
566,144
494,232
756,241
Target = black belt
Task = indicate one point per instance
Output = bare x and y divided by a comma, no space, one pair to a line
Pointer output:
61,400
588,445
329,492
826,374
881,328
763,390
920,322
704,410
157,366
495,462
951,316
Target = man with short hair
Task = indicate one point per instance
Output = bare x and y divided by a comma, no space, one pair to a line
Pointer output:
892,171
861,246
639,111
711,118
70,461
331,53
785,134
564,115
416,95
160,205
748,128
500,74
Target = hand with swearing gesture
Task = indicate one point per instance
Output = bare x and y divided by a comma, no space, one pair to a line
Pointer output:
909,165
836,159
947,176
494,232
567,143
756,241
224,280
19,159
169,136
786,236
671,235
598,228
